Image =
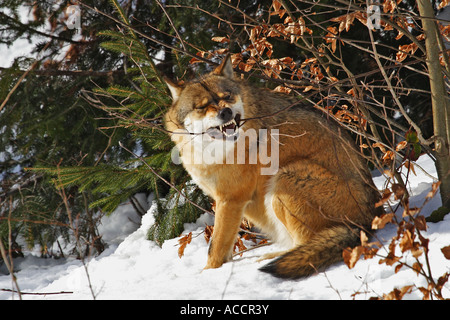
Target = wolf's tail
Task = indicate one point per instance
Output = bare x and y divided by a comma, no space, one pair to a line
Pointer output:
323,250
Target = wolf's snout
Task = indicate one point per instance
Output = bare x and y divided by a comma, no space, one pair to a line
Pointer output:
226,114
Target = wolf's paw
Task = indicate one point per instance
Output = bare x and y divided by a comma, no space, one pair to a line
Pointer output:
214,263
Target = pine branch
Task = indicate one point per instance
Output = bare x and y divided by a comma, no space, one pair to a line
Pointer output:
125,22
26,27
161,43
164,180
74,73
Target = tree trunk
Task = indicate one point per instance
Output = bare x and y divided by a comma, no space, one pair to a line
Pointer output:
439,96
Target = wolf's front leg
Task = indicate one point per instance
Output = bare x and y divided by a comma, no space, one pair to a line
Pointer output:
228,219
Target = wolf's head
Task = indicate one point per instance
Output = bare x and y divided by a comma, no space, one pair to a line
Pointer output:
210,106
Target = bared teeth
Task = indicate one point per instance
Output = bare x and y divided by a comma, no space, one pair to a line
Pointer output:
224,128
231,125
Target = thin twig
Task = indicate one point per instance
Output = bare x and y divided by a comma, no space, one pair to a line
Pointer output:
7,258
268,243
36,293
10,93
163,179
172,24
394,95
9,267
74,228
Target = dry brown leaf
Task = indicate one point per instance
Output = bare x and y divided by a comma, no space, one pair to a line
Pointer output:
277,9
351,256
246,67
331,37
220,39
397,294
282,89
417,267
442,280
388,156
208,233
416,251
446,252
402,54
410,166
425,292
364,238
443,4
424,241
239,246
381,221
402,145
276,6
379,145
389,173
398,190
386,195
307,88
183,242
407,241
409,212
420,223
434,189
389,260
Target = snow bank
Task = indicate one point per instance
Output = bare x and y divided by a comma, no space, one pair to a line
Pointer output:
136,268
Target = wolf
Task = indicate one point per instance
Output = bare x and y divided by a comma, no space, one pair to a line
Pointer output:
313,203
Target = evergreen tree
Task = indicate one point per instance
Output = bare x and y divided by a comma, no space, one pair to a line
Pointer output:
45,122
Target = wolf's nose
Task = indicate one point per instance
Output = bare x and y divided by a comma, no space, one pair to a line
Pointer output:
226,114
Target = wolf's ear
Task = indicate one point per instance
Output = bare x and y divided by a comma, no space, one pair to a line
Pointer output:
225,69
174,88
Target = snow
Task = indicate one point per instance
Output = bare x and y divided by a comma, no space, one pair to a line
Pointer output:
21,46
135,268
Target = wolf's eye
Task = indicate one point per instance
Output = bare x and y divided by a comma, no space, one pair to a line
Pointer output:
226,95
202,105
199,107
